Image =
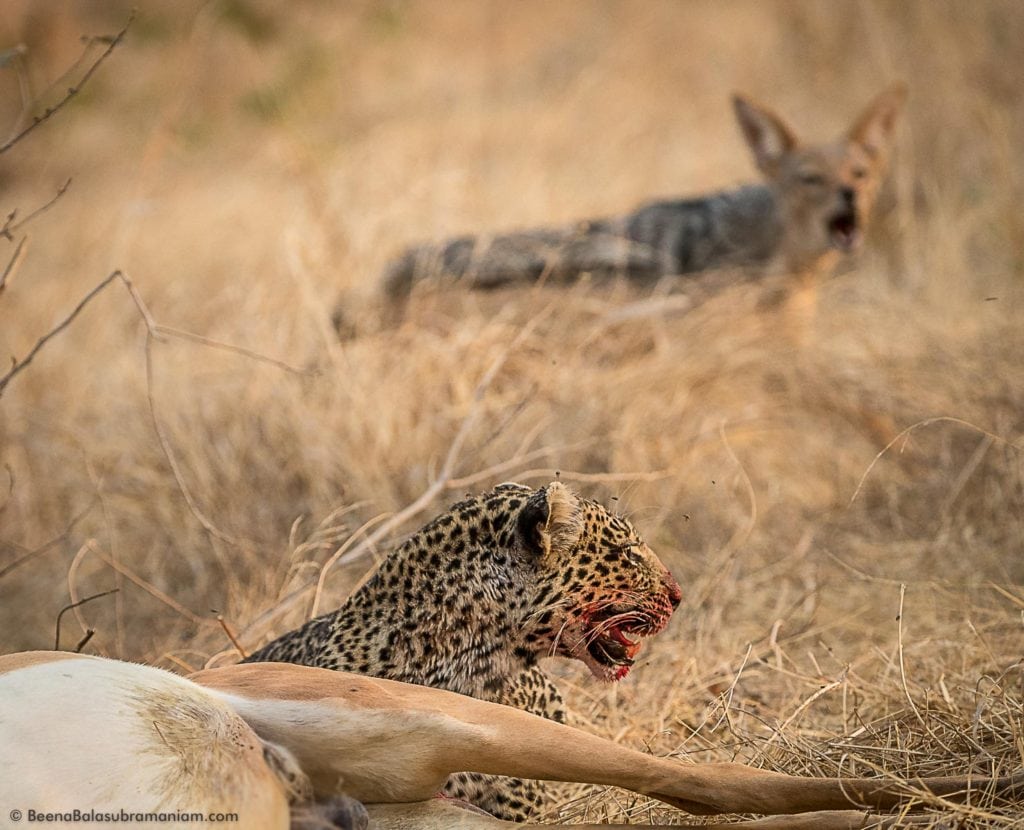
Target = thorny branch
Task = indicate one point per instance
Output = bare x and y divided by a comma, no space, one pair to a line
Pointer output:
72,91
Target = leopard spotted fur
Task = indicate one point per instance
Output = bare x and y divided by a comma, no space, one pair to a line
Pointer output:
476,598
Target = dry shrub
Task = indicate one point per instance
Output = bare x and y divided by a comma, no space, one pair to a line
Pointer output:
245,164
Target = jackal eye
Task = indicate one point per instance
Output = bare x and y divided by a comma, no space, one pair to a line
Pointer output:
858,172
812,179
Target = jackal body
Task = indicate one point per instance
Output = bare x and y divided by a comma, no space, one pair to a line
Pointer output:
811,209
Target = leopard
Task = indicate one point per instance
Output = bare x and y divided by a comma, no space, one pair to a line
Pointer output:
479,596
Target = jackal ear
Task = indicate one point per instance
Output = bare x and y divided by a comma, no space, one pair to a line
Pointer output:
874,128
767,135
551,520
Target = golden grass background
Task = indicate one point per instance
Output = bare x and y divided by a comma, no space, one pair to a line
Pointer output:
246,163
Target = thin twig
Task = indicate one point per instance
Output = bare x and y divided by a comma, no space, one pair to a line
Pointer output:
340,552
21,560
81,643
154,331
742,533
727,697
56,637
72,91
10,488
924,423
14,263
903,670
230,347
454,449
781,730
164,441
232,636
551,473
73,566
19,365
149,587
10,226
436,487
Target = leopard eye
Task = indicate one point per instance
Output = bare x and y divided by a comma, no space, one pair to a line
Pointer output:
858,172
812,179
630,553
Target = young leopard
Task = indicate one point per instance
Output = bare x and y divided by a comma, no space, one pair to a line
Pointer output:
473,601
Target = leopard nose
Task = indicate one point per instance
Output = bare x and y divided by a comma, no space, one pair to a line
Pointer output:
675,593
848,194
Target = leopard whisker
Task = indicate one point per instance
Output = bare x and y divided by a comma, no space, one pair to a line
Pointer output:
558,637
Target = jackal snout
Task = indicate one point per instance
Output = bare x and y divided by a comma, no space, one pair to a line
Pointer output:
844,224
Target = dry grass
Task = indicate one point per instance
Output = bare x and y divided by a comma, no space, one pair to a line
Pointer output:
245,164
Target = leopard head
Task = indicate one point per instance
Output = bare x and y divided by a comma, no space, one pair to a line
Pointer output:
598,591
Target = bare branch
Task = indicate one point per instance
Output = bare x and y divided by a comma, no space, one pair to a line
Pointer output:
10,226
19,365
14,264
10,487
56,540
154,331
230,347
255,629
232,636
66,608
72,91
91,547
905,433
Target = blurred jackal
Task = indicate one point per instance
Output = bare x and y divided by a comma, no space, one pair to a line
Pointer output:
811,209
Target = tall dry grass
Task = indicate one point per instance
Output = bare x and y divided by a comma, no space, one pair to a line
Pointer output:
846,607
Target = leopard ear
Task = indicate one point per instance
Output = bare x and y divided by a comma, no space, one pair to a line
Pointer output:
551,520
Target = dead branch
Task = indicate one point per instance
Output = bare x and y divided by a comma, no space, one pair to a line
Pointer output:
21,560
19,365
14,264
56,637
435,488
905,434
147,586
10,226
154,332
10,487
191,337
232,636
112,43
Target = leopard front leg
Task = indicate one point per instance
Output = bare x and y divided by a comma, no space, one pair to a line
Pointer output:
513,799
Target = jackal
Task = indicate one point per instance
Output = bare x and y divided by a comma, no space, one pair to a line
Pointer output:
811,209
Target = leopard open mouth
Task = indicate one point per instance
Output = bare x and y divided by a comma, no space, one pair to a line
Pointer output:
844,230
613,639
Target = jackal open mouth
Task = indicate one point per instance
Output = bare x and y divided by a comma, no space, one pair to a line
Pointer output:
844,230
